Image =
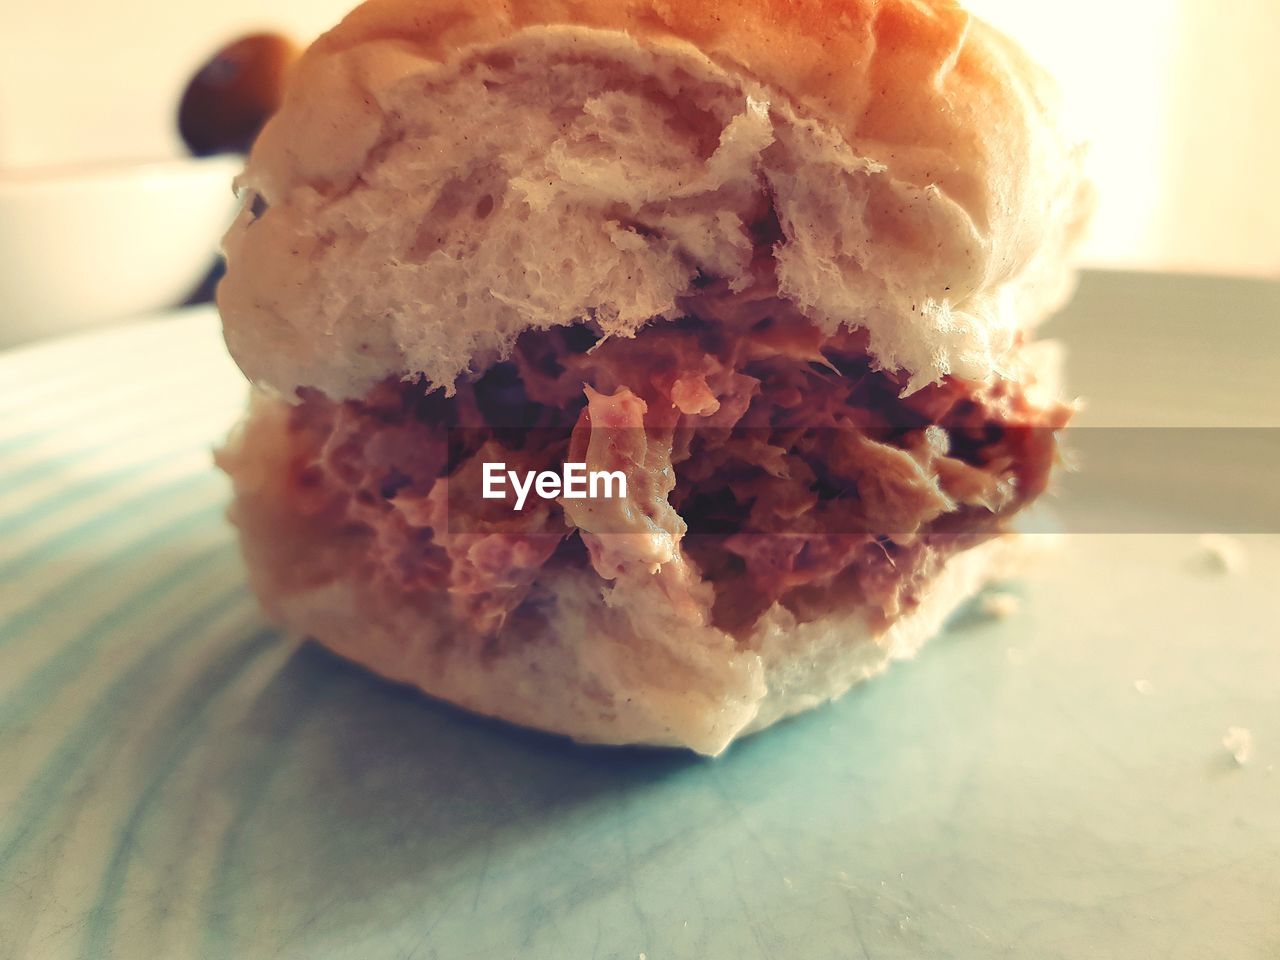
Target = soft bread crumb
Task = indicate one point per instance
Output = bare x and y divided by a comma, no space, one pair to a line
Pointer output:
1239,743
1222,554
558,174
1142,686
1001,606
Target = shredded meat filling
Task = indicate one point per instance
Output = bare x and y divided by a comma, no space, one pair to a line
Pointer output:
766,463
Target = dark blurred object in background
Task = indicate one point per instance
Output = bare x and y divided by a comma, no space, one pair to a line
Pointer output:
232,95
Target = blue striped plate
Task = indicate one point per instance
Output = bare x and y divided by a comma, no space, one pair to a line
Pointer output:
176,781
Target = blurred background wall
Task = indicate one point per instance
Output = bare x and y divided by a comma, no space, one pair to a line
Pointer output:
1179,97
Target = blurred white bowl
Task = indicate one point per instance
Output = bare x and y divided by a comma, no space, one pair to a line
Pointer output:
90,244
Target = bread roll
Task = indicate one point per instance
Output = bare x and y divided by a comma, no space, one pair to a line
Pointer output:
780,263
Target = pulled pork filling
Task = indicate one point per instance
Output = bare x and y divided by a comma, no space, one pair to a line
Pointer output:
766,463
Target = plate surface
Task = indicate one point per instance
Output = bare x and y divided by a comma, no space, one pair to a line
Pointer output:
177,782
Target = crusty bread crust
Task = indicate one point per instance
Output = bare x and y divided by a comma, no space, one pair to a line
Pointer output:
600,663
911,153
921,86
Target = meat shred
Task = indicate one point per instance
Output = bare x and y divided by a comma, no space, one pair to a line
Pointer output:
767,464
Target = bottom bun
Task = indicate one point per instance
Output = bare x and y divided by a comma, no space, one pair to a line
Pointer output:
598,662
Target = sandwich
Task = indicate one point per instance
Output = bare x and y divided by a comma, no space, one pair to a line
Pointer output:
646,372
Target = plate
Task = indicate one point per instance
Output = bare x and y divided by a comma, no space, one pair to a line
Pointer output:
180,782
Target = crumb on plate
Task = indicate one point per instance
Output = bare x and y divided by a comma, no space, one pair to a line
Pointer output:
1000,606
1239,743
1222,554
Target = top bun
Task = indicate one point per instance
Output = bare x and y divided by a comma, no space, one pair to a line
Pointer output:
445,174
